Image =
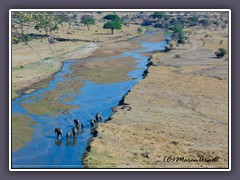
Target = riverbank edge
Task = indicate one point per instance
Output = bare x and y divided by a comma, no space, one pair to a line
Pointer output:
94,130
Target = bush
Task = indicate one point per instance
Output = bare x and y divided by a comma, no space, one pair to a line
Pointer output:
16,40
139,30
177,56
146,23
221,52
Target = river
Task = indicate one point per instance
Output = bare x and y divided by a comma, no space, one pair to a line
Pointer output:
44,151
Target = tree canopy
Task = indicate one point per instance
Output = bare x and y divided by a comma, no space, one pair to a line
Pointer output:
159,15
112,25
112,17
221,52
88,20
204,22
178,30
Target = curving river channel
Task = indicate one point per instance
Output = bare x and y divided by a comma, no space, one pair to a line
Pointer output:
44,151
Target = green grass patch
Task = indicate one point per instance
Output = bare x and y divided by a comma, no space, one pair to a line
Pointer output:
47,58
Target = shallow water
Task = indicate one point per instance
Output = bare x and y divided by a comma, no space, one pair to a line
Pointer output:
44,151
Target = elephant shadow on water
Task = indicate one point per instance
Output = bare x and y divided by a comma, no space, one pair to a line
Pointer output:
58,142
69,142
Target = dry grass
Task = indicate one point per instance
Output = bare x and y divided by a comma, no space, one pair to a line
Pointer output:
22,131
179,109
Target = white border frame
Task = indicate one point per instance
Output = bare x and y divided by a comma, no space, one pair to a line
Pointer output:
120,10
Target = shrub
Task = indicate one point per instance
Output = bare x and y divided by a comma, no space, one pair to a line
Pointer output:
139,30
221,52
177,56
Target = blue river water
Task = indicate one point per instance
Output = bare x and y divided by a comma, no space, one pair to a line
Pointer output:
45,151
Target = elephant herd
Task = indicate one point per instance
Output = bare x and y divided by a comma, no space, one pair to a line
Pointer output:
77,126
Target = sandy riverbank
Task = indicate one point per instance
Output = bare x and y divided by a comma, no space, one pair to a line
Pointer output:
38,61
180,110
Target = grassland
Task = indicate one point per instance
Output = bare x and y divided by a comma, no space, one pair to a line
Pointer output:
180,109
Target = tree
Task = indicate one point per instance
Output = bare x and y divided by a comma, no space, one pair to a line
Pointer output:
112,17
20,22
112,25
204,22
193,20
47,21
179,33
159,15
221,52
88,20
68,20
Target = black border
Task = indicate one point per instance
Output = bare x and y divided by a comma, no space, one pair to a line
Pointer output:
139,4
133,169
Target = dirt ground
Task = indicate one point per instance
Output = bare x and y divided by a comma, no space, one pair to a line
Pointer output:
180,110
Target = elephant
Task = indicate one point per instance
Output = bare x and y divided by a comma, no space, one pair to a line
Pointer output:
98,117
68,134
74,131
59,132
92,122
77,123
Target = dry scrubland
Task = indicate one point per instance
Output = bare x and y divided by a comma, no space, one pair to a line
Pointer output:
179,109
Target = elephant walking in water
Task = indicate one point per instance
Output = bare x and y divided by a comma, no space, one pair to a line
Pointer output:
98,117
77,123
68,134
92,122
58,131
74,131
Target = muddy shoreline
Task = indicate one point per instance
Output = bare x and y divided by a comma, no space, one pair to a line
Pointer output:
121,103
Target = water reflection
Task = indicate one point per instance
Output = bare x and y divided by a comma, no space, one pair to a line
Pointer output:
58,142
